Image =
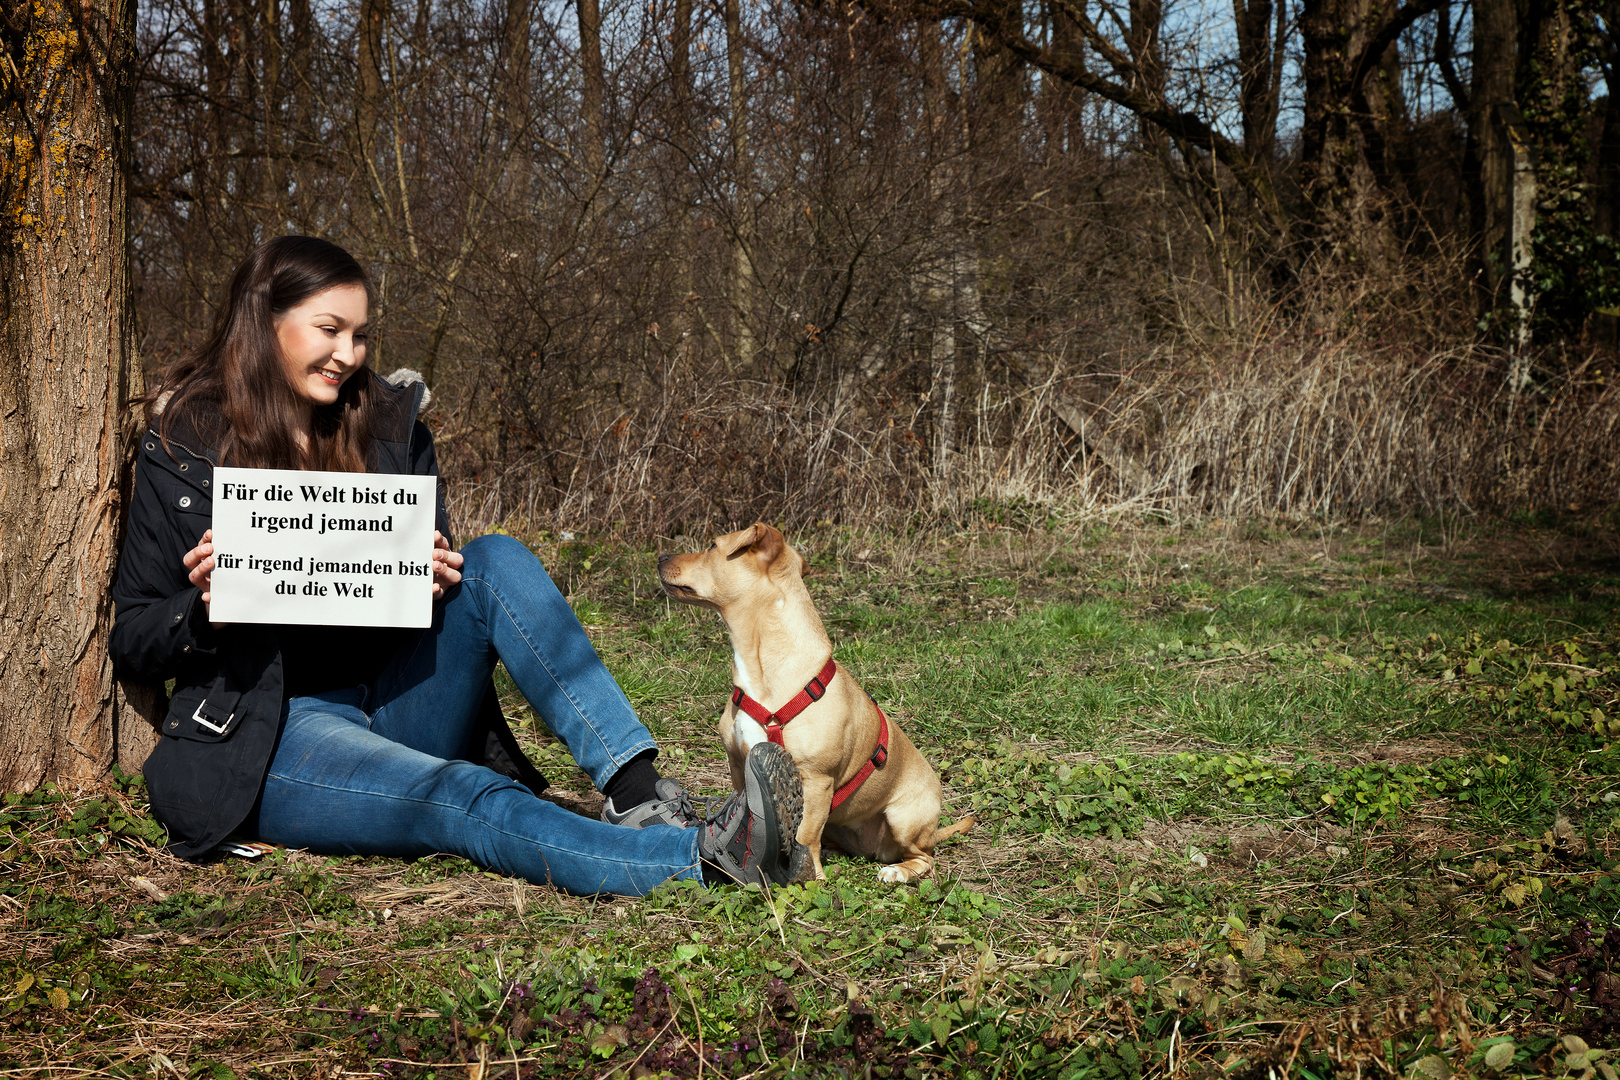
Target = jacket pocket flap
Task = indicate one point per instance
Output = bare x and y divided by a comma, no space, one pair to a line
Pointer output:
204,713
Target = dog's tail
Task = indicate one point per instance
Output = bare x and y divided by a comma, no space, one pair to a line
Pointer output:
955,827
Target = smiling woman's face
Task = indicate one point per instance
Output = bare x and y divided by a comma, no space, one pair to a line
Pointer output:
323,342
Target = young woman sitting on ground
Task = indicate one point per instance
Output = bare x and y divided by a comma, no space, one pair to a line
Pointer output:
360,741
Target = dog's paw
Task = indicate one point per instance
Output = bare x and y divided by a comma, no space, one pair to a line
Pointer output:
897,874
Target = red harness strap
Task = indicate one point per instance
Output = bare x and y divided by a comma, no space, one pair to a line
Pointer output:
813,691
773,721
879,758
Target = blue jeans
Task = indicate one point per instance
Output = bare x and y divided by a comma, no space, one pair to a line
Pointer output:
373,770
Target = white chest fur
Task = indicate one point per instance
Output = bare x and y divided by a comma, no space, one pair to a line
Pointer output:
747,731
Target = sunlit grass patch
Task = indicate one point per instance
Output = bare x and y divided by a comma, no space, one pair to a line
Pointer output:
1230,791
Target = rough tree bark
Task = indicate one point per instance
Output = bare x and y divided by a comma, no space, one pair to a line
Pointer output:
67,370
1345,156
594,91
684,140
1260,67
273,174
368,101
938,273
1063,105
1607,199
301,123
1490,173
742,277
1143,32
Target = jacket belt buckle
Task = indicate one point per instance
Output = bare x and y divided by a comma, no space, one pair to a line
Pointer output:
217,729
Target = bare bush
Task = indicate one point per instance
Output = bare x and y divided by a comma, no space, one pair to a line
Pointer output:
679,263
1319,431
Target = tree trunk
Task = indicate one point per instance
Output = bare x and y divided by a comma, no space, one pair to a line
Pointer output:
950,253
368,100
594,91
301,122
682,123
67,370
273,171
1490,188
1327,160
1350,152
1607,195
1259,74
1386,139
513,122
742,275
1142,40
1000,91
1063,104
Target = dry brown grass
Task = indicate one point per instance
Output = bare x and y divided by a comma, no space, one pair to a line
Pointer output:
1326,430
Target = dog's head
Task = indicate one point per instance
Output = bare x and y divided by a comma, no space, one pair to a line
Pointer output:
733,568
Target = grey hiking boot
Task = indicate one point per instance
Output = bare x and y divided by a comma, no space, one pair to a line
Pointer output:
754,833
672,807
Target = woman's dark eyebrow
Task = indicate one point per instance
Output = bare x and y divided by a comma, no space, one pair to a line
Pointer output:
338,318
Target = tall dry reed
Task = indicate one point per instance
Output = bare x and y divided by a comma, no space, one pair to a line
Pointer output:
1330,430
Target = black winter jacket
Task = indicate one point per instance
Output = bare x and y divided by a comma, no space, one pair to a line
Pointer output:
220,730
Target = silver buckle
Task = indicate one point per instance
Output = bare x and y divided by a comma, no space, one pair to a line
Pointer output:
217,729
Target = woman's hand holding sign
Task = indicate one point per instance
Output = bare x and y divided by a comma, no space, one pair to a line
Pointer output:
200,564
446,565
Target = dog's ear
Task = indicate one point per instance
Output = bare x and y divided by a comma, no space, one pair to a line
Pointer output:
764,542
804,565
746,540
768,545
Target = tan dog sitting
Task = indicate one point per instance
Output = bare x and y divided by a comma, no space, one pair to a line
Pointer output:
863,796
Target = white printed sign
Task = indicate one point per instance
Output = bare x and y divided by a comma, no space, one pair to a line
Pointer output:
322,548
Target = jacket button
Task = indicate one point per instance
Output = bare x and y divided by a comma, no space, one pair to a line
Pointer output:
185,648
151,446
180,618
185,501
205,483
184,466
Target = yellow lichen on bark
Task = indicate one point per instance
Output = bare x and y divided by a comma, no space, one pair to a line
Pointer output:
66,364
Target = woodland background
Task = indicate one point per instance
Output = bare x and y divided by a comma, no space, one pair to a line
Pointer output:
678,263
933,264
1144,382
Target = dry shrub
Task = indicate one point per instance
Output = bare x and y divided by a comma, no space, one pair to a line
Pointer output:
1331,430
1341,430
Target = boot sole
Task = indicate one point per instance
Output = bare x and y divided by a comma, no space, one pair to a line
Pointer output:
772,768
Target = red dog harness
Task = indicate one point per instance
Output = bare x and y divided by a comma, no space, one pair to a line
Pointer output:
773,721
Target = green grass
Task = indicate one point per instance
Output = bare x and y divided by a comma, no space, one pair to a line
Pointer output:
1310,802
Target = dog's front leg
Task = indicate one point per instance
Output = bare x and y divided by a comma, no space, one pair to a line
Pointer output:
736,752
818,793
739,734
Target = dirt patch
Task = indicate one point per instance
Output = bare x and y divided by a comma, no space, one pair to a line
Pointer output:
1412,751
1247,845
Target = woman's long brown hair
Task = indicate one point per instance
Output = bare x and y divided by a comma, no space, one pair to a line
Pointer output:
233,390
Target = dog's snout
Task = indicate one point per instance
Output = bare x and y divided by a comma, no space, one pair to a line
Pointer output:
664,557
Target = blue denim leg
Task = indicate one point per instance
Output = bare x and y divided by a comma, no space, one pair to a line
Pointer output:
506,607
339,788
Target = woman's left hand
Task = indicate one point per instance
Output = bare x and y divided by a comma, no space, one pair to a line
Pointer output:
446,565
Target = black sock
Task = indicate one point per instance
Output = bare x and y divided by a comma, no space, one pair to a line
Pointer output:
633,784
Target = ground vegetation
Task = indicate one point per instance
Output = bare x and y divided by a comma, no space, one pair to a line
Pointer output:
1253,800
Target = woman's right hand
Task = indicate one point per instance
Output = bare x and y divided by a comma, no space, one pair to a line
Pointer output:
200,563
